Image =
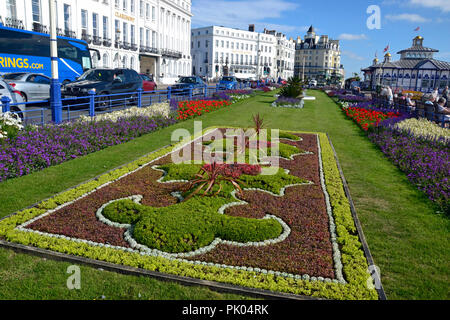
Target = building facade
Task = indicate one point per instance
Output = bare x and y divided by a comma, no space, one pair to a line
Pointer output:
146,35
416,70
318,58
217,51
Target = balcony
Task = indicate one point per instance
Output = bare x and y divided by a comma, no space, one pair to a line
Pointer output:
118,44
69,33
134,47
59,32
126,45
171,53
85,36
97,40
37,27
13,23
107,42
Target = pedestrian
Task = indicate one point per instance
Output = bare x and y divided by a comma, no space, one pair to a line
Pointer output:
390,95
435,94
410,104
442,112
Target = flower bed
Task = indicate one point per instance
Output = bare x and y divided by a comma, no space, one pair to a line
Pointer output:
10,125
368,118
352,98
418,147
285,102
155,110
36,148
192,109
426,163
424,129
289,232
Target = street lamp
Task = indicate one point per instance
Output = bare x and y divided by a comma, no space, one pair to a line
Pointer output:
55,86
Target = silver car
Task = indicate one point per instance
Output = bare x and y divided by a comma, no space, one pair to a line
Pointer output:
14,96
32,86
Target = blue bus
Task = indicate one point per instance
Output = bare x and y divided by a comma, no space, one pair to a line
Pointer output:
28,51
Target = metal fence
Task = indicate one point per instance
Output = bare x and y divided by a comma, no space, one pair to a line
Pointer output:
421,109
40,112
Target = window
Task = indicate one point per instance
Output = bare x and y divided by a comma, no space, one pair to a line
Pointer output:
125,32
11,8
117,4
153,13
141,8
105,28
67,14
132,6
132,34
125,5
84,21
147,11
117,29
36,10
95,24
147,37
105,60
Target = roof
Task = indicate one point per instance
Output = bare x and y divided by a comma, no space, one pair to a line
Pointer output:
418,49
412,64
311,29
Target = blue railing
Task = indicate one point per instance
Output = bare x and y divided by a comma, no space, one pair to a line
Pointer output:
40,113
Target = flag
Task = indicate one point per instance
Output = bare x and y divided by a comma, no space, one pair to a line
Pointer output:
417,29
386,49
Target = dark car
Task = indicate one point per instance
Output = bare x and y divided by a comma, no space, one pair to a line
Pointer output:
184,84
105,82
148,83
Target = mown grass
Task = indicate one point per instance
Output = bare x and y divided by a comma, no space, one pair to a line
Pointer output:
409,241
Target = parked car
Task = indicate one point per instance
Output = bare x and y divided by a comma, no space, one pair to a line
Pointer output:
185,83
313,83
228,83
32,86
7,91
105,82
148,83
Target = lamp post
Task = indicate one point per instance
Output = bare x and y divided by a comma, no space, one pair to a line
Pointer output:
55,86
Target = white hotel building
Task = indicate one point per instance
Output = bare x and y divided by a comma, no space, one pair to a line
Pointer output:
146,35
217,51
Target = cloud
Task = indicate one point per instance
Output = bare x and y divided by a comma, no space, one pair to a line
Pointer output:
352,55
410,17
352,37
239,13
443,5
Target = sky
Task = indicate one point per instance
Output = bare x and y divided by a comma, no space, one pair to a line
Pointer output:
351,21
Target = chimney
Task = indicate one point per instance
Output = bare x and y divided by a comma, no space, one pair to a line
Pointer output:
251,28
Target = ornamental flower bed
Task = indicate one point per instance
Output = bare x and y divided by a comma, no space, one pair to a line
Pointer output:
426,163
36,148
351,98
192,109
10,125
368,118
286,102
291,231
155,110
424,129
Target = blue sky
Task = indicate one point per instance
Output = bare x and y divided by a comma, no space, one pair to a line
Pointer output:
345,20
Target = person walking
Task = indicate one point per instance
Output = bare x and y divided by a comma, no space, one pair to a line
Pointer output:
390,95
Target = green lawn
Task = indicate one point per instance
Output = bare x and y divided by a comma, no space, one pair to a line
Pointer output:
408,240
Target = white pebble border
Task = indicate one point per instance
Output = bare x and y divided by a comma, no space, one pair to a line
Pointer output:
143,250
